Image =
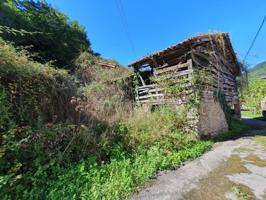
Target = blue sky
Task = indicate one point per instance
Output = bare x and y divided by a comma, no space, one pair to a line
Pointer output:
155,24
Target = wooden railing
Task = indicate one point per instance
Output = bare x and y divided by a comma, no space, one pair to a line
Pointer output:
150,93
153,94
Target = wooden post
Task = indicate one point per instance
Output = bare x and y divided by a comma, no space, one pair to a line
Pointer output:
155,65
190,67
141,79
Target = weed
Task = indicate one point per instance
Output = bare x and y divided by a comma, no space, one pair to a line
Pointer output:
240,193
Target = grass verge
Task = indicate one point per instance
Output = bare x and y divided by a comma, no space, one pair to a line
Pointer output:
252,115
236,128
119,178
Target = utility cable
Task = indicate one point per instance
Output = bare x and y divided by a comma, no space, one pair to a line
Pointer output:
125,24
254,39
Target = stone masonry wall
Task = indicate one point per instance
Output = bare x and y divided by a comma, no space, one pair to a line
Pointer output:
212,120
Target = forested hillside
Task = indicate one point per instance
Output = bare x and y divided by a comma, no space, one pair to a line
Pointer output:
257,71
72,133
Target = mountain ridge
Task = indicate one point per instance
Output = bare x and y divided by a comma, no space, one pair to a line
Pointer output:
258,71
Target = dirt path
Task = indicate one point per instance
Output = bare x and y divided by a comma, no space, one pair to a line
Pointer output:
231,170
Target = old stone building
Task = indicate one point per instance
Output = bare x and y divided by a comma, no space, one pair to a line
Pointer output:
210,53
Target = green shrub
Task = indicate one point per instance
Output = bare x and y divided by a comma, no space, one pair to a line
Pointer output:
121,177
116,180
253,94
5,117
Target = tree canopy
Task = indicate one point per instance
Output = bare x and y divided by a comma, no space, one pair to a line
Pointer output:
44,30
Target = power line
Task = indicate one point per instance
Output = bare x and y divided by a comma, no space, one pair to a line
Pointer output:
254,39
125,24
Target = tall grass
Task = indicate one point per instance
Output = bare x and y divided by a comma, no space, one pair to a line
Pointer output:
106,91
166,123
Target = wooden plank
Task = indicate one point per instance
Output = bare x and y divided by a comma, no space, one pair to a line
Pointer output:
170,68
224,70
148,86
162,101
151,90
151,96
177,74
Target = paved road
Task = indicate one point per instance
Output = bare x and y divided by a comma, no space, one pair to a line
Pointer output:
232,170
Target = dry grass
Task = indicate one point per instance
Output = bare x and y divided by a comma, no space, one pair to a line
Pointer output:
165,123
106,92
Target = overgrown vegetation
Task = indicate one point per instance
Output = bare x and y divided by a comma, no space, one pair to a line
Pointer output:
82,153
77,136
253,94
189,89
35,90
128,167
107,92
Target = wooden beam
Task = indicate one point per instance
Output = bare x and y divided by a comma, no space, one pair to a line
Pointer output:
170,68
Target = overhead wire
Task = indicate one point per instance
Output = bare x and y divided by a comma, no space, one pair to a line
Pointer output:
125,26
254,39
244,67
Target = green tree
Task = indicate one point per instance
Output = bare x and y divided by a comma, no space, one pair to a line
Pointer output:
46,31
253,94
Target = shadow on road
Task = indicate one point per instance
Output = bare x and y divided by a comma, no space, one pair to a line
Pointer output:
256,127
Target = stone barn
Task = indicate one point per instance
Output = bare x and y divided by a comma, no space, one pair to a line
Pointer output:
210,55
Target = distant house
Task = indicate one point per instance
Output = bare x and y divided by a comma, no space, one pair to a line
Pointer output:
210,52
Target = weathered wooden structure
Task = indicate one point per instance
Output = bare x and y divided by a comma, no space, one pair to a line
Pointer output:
212,52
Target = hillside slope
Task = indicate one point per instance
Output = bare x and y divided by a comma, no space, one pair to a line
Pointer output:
258,71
